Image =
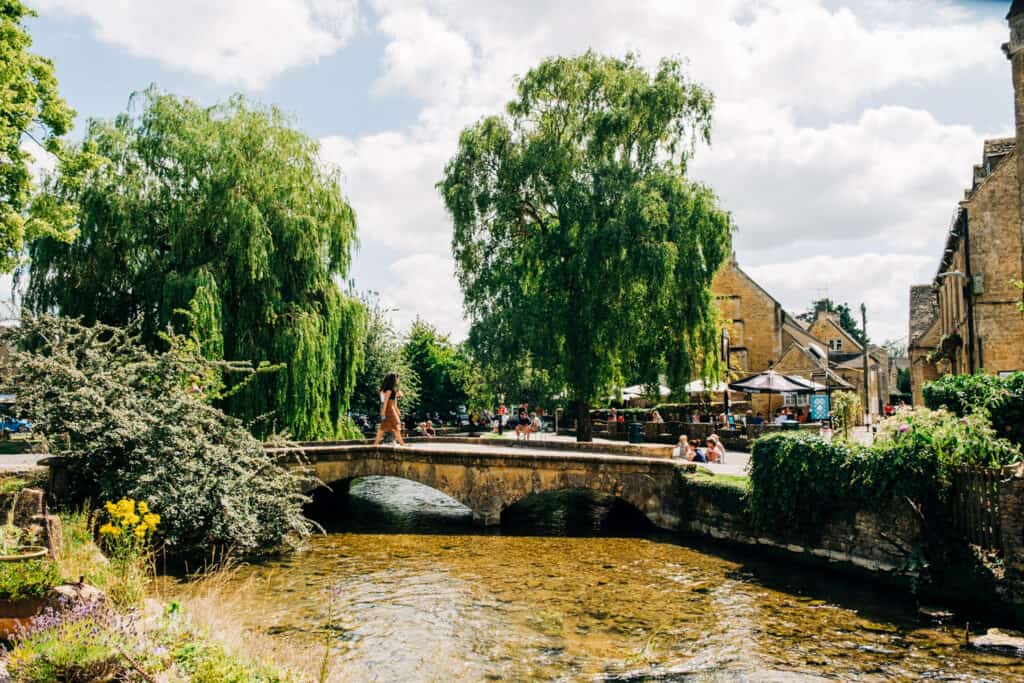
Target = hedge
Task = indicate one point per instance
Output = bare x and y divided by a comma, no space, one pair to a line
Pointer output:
800,483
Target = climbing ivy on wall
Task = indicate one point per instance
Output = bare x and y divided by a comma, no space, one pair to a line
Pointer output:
221,219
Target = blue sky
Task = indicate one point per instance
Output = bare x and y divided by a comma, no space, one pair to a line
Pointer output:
844,131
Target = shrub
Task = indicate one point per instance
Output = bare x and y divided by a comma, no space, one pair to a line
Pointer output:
846,407
1001,399
800,483
131,424
27,579
797,482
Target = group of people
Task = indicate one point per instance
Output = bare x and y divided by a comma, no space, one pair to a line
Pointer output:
713,451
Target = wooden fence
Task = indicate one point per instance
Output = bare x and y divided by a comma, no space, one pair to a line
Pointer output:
974,504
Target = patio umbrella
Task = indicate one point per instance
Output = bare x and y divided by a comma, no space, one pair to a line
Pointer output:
771,382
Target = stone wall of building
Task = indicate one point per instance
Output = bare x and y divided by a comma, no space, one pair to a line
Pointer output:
755,319
995,249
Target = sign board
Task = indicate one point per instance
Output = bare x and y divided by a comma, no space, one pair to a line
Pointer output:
819,407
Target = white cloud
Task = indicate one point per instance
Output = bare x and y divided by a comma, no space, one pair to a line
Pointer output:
390,180
874,178
425,286
227,41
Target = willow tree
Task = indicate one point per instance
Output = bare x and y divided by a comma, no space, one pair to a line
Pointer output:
224,220
578,238
31,113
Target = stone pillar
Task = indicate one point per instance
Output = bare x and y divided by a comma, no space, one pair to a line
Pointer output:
1014,51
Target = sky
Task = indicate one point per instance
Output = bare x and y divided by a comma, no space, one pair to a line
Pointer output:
844,132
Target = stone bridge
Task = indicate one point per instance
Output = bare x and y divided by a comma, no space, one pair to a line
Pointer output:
488,479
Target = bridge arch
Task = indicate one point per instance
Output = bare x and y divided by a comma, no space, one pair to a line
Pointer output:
489,484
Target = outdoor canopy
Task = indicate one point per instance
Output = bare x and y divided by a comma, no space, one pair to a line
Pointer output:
771,382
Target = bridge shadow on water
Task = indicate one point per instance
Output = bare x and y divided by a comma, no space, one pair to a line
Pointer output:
389,505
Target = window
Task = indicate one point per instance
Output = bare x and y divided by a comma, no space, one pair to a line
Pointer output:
835,344
796,400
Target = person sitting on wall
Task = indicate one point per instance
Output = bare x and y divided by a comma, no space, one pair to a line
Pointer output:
700,453
683,450
716,451
656,417
427,429
757,419
535,425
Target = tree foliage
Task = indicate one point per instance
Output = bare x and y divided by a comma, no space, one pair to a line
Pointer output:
131,424
382,353
579,241
846,319
440,367
226,213
998,399
30,110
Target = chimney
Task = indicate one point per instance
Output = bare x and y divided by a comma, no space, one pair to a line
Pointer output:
1014,51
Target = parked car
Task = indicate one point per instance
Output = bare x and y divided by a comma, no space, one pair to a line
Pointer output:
14,424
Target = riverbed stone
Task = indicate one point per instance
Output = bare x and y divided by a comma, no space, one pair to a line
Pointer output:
1000,642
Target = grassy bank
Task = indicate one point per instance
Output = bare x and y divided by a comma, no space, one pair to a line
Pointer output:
142,634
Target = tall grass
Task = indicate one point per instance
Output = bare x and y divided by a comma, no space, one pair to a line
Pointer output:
216,601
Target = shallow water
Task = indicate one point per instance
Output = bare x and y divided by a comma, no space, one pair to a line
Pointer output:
408,590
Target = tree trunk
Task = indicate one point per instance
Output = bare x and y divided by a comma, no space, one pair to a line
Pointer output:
584,428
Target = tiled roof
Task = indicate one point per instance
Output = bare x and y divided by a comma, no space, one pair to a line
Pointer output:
924,308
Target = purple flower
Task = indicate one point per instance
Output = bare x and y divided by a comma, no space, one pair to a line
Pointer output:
904,428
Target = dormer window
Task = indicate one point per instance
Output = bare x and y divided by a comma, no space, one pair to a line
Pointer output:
835,344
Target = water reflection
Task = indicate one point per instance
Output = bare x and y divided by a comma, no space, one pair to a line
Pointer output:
461,604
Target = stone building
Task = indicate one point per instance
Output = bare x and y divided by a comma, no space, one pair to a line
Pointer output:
763,335
968,318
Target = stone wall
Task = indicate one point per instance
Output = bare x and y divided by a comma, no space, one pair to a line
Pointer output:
877,542
1011,530
995,250
755,327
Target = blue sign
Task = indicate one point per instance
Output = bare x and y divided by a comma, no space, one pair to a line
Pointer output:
819,407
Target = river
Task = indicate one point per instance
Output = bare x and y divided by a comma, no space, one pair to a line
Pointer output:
573,588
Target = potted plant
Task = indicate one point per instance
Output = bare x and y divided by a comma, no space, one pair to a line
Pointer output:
26,574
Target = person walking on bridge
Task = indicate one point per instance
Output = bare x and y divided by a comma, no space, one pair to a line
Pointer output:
390,418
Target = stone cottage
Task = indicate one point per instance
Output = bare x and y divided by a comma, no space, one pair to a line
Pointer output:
763,335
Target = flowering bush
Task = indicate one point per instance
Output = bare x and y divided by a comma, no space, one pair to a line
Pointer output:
27,579
82,642
127,540
128,425
1000,399
130,528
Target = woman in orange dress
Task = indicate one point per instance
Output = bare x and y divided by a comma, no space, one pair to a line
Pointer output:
390,418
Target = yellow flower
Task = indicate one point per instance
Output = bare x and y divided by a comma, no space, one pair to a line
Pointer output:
109,529
151,520
140,531
143,507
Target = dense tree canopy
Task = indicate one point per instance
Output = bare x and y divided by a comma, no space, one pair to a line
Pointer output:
440,367
30,110
225,213
578,238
